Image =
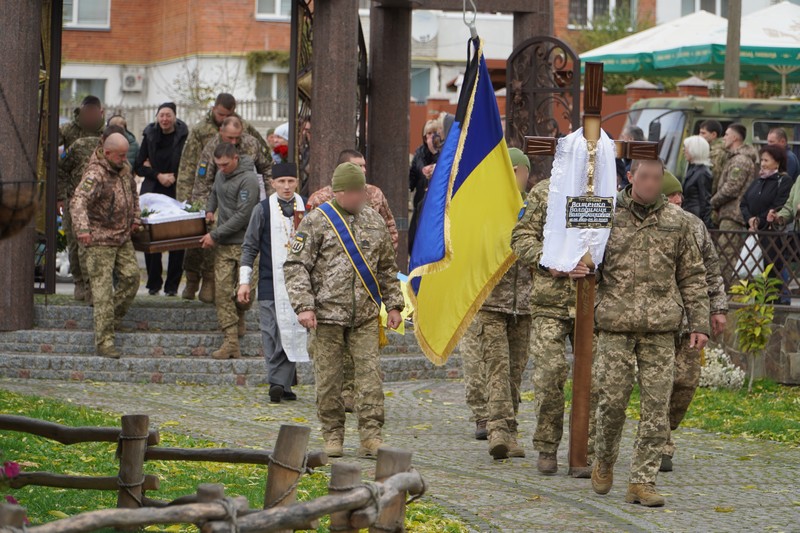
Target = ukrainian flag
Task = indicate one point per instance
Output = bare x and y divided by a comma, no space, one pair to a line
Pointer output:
462,247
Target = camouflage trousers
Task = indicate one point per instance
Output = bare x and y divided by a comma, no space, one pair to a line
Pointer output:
619,355
77,252
328,346
199,260
550,372
110,305
474,365
226,272
687,379
348,375
488,341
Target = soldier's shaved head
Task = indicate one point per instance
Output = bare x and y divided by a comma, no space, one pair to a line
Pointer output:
115,149
233,122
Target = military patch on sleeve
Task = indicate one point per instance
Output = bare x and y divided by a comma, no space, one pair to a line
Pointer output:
64,153
244,194
299,243
201,170
88,183
522,211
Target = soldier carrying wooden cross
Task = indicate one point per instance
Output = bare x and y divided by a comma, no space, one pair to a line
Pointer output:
651,275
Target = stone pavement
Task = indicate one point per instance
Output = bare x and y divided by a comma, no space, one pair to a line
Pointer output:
720,484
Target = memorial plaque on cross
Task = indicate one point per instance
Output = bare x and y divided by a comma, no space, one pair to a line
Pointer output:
586,210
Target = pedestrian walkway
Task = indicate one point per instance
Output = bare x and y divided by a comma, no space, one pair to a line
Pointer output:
719,484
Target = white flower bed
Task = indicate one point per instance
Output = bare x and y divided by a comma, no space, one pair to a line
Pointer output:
719,372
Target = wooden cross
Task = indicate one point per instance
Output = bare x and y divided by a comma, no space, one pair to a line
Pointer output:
584,315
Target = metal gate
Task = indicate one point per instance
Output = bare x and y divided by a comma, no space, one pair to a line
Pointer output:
543,77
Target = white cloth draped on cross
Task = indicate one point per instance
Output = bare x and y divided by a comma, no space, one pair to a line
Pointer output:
564,247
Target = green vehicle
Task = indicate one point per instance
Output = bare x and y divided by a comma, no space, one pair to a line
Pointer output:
670,120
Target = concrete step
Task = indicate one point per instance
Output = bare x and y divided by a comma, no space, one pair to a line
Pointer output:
191,370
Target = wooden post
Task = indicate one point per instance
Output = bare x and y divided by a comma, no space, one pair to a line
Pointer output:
732,48
286,467
344,476
12,515
391,461
132,445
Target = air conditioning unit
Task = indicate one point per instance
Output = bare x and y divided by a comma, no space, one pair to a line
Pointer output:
133,80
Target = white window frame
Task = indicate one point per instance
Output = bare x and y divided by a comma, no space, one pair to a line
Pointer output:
76,25
73,83
717,7
274,87
612,6
274,17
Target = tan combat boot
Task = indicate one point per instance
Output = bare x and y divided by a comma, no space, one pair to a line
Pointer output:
230,346
78,293
333,447
602,477
207,289
241,327
369,448
108,351
192,285
514,450
499,444
480,430
547,463
644,494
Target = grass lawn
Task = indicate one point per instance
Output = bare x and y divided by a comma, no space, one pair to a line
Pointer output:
770,412
177,479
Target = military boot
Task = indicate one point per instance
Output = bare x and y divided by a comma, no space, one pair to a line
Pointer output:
230,346
78,293
515,450
192,285
644,494
369,448
333,447
602,477
499,444
480,430
206,294
547,463
241,328
108,351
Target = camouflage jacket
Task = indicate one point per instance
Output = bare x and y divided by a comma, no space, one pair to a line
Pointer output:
376,199
321,278
72,131
105,203
199,135
739,171
512,294
72,163
717,297
550,297
207,169
232,200
652,272
719,156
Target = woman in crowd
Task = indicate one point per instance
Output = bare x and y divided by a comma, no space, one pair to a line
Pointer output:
698,178
422,169
158,161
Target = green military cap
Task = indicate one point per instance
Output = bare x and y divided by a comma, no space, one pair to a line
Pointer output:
671,184
270,131
518,158
348,177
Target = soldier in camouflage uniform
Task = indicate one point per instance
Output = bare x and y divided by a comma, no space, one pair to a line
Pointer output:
196,261
739,171
651,275
87,121
687,360
332,302
230,204
105,212
711,131
553,321
378,202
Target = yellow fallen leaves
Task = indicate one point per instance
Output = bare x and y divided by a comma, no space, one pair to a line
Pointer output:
58,514
723,509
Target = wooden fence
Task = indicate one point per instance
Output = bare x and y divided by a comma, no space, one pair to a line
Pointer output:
353,505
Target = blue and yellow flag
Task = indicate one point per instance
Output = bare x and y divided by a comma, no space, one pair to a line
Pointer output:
462,245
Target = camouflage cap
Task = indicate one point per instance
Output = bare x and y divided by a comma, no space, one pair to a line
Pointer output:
348,177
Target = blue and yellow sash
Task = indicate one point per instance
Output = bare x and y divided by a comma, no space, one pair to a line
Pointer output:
353,252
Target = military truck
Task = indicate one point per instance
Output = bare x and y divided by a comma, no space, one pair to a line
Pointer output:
670,120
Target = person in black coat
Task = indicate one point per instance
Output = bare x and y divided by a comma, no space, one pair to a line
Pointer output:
158,161
421,170
698,179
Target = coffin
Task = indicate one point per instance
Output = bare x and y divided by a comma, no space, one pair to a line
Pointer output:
168,236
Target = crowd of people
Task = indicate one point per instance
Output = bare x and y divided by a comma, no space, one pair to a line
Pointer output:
322,267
